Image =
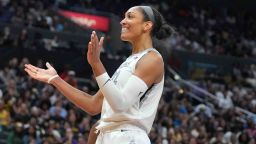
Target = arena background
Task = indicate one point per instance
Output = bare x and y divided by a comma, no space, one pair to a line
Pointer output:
210,88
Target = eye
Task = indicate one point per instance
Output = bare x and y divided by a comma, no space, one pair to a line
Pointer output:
129,16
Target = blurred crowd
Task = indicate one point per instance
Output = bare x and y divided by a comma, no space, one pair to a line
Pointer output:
234,89
210,30
182,120
22,41
215,31
30,13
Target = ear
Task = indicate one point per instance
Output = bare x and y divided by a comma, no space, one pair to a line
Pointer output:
148,25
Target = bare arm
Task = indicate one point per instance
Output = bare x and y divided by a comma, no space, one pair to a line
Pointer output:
90,104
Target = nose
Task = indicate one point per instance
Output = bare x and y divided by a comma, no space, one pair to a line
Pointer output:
122,22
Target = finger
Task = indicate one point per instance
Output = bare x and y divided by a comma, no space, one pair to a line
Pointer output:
96,39
48,65
101,42
29,66
32,68
30,73
92,40
90,47
89,52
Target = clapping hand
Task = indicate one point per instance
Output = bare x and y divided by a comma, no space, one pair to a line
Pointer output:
43,75
94,48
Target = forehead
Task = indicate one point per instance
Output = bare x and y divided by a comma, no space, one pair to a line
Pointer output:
134,10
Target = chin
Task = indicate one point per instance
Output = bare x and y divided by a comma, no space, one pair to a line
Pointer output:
124,38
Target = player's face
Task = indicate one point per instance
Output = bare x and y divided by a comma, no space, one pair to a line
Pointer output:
132,25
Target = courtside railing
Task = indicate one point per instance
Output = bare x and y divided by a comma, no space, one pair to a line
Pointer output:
209,98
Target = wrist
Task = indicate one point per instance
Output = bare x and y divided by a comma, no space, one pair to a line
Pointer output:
96,64
50,80
98,68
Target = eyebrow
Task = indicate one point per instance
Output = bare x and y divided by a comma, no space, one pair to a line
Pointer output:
129,13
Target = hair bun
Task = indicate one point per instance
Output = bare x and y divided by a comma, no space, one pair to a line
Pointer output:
164,31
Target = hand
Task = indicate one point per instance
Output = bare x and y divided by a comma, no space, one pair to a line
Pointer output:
39,73
94,48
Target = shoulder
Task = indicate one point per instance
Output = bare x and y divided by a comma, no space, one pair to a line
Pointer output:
150,68
151,60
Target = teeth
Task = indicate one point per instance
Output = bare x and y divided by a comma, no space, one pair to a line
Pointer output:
124,30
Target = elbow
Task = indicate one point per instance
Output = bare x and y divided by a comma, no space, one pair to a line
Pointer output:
93,112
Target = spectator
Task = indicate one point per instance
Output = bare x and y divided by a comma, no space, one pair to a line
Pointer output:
203,109
225,102
58,112
5,37
5,118
16,135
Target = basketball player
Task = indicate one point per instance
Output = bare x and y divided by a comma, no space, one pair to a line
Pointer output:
128,100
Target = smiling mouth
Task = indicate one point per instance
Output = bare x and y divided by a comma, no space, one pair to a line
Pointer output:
124,30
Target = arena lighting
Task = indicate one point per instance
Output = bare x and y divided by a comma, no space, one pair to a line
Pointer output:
181,91
176,77
91,21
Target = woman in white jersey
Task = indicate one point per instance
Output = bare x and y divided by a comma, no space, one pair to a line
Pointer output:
128,100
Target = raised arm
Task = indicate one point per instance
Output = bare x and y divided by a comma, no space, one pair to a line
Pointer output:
90,104
148,71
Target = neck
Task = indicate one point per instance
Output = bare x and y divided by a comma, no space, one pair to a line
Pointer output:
141,44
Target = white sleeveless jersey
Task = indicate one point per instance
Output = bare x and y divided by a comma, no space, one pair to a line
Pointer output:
142,113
